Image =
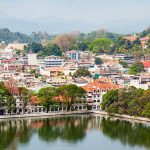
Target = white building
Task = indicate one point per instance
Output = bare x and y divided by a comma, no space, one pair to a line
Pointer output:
136,82
95,91
73,55
32,59
6,53
54,61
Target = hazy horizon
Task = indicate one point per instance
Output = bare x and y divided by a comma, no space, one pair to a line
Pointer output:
98,13
86,10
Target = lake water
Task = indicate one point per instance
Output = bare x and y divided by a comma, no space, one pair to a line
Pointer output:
82,132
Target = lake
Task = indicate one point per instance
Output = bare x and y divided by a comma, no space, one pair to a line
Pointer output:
82,132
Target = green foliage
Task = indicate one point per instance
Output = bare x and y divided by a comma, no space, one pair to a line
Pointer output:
98,61
46,96
82,72
145,32
146,111
109,98
132,101
124,64
126,132
9,37
136,68
137,42
24,95
6,98
34,47
40,37
123,44
51,49
71,93
101,45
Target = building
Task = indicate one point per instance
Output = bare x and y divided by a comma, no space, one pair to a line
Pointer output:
32,59
52,71
95,90
53,61
73,55
147,66
19,46
140,82
6,53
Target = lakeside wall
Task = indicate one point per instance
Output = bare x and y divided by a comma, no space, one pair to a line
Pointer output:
44,114
101,113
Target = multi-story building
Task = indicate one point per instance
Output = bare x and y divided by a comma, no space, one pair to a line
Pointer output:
95,90
6,53
53,61
142,81
32,59
73,55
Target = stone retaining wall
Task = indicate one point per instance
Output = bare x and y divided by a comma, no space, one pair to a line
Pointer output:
102,113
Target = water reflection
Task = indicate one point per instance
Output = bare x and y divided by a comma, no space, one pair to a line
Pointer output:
71,129
127,133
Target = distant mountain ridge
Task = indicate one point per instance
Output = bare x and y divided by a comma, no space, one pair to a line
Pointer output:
54,25
17,37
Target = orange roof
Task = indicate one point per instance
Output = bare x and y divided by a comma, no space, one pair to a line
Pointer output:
131,38
34,100
98,85
55,69
88,88
104,80
146,64
111,61
58,98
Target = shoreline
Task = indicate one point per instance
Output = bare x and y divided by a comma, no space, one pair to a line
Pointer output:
43,114
123,117
95,113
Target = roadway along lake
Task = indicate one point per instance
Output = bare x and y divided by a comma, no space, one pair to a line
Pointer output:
82,132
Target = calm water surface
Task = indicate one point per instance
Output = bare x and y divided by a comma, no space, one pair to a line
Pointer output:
83,132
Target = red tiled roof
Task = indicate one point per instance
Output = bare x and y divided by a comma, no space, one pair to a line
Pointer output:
131,38
99,85
146,64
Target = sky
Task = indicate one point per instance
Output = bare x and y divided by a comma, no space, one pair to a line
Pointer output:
86,10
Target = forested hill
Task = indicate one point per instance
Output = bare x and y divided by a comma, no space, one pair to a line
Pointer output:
10,37
38,37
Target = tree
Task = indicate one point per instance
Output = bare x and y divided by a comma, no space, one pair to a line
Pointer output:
11,86
34,47
98,61
64,41
6,98
46,96
136,68
51,49
109,98
82,72
101,45
24,95
146,111
123,63
70,94
137,42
